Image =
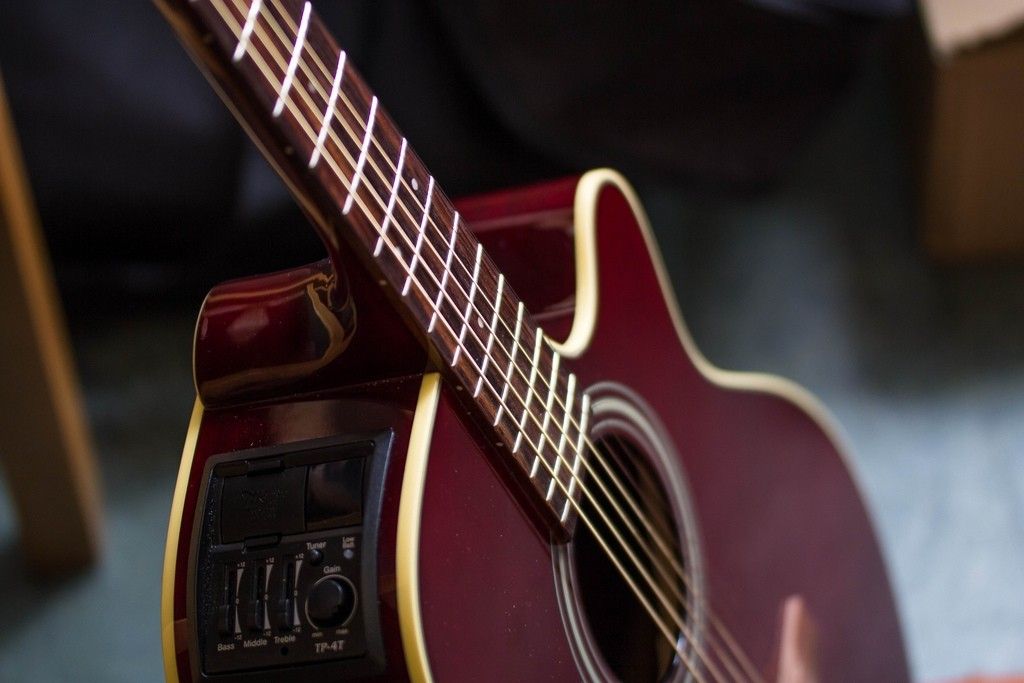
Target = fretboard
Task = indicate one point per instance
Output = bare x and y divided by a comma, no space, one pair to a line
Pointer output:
363,184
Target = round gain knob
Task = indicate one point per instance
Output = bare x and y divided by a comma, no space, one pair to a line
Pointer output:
331,602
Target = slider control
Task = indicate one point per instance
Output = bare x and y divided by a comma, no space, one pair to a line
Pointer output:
226,621
284,611
257,612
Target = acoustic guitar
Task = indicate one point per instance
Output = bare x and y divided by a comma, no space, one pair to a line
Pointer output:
476,442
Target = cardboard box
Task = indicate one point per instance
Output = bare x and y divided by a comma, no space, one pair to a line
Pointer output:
970,92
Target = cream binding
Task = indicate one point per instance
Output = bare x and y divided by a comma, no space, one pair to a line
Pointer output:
588,191
581,333
171,549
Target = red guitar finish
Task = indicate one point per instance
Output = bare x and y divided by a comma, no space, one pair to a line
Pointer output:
313,353
377,484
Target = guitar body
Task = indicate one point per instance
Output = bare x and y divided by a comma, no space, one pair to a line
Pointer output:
468,584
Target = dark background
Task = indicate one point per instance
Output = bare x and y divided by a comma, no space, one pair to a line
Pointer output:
767,142
135,161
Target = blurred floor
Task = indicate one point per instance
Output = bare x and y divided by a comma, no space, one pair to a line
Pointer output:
818,279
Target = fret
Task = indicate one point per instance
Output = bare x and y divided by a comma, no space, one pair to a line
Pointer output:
490,336
538,344
358,173
289,75
446,274
552,383
419,238
520,307
570,396
469,305
584,417
396,183
332,101
250,23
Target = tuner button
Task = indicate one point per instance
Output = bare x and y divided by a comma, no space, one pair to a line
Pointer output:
330,602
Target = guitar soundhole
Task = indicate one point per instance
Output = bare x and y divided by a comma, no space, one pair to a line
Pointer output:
621,626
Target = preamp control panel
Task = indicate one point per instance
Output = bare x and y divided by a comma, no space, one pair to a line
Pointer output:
286,576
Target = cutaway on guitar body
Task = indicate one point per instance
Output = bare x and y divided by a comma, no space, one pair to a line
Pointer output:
342,514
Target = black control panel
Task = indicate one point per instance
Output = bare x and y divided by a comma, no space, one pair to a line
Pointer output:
285,581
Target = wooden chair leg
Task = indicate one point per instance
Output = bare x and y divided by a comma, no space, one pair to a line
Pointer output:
45,444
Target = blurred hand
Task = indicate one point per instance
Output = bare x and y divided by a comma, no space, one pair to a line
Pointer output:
798,661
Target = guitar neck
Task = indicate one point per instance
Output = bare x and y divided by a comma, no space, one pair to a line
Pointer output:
363,185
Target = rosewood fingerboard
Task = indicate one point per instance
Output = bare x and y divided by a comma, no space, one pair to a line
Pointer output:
361,183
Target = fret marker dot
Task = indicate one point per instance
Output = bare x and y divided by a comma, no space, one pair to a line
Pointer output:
415,185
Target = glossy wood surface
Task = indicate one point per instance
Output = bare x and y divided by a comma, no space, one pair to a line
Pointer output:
267,371
778,511
312,328
779,514
489,605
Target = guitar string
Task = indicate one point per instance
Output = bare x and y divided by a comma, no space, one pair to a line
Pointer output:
679,596
619,452
314,81
408,269
651,556
488,383
716,622
671,638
